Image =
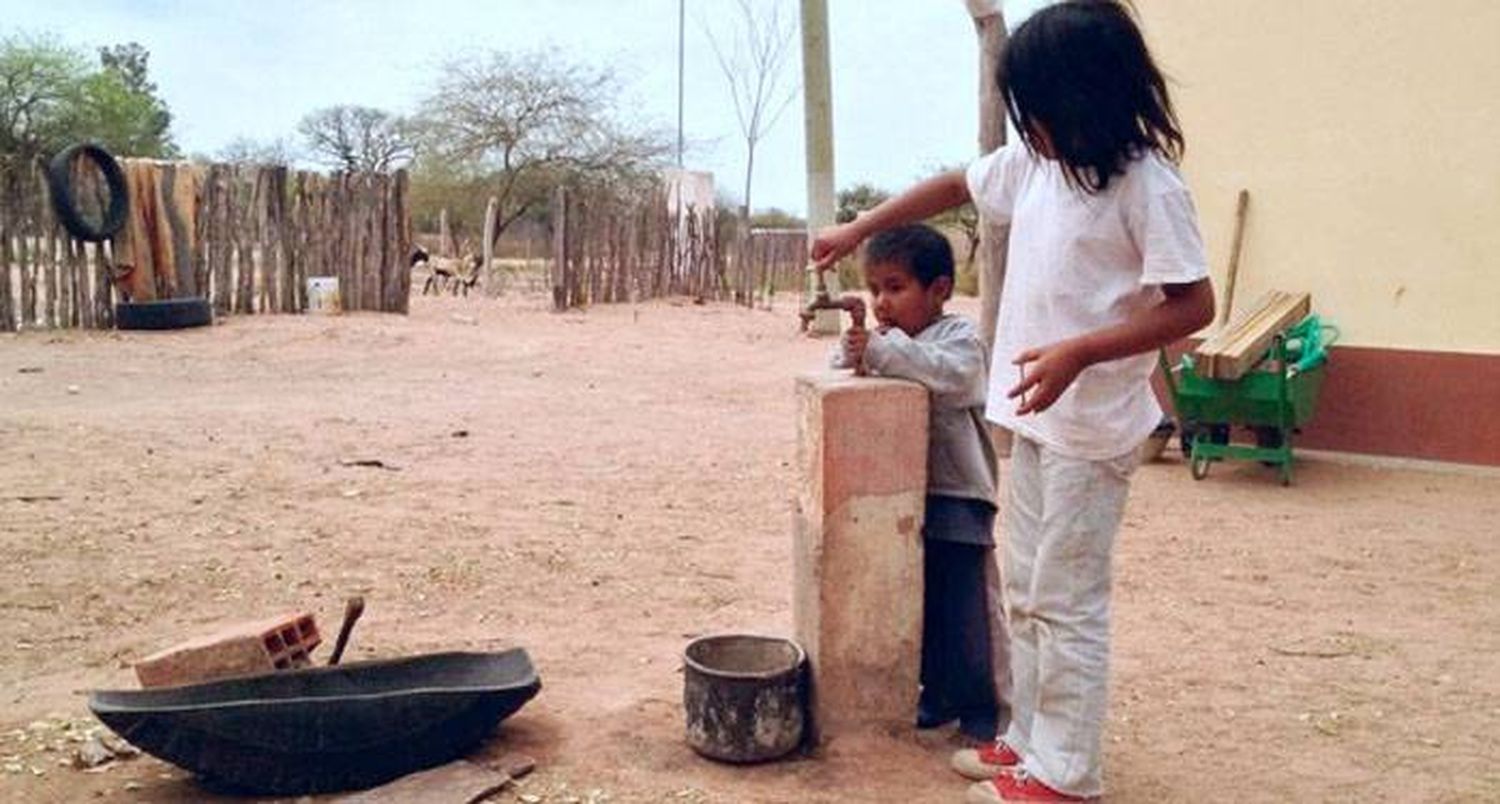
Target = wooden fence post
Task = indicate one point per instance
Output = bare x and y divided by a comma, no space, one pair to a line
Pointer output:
559,248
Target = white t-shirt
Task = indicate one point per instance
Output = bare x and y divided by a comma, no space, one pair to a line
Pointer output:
1078,263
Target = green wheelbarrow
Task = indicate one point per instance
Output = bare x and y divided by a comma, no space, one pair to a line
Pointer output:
1272,400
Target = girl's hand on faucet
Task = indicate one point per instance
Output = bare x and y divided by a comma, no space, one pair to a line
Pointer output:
834,242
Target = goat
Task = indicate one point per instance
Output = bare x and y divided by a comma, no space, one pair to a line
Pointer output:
448,271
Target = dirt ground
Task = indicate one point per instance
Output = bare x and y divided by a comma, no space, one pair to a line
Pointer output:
600,487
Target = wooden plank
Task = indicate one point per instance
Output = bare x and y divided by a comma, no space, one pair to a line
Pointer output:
370,264
559,247
7,316
83,301
244,232
281,240
264,270
404,237
50,275
202,282
1207,352
1235,351
223,241
458,782
28,275
71,280
104,302
1249,331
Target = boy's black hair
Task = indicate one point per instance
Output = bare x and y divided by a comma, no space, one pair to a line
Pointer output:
919,248
1080,69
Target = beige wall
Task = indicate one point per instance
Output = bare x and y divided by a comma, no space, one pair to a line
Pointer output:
1368,134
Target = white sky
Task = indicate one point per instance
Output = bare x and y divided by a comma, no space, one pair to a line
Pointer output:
904,71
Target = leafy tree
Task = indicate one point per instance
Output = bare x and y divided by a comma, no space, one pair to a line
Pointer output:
141,121
39,81
358,139
51,97
851,201
774,218
129,61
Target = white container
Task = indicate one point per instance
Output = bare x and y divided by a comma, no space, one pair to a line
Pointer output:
323,295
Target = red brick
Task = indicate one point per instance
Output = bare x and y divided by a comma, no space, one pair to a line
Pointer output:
249,648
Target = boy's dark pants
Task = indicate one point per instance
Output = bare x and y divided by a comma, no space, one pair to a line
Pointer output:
958,672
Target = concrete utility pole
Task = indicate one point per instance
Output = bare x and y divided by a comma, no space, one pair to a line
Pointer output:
817,104
989,24
681,19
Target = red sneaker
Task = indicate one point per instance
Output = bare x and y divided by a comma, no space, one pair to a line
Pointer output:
1018,786
985,762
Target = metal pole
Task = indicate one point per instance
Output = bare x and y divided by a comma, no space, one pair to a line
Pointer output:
817,105
681,17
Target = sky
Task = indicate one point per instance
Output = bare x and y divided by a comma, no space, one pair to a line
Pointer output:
904,72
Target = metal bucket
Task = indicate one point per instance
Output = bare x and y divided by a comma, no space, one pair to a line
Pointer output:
744,696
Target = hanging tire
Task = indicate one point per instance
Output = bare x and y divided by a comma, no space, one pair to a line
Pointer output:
164,314
1199,468
60,186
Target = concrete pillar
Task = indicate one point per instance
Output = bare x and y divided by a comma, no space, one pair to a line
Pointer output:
817,121
862,445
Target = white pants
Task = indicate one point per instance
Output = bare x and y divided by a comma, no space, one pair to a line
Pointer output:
1060,525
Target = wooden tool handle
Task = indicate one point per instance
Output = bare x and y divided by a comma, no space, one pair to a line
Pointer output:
353,608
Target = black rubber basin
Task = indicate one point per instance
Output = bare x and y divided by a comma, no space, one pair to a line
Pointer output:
325,729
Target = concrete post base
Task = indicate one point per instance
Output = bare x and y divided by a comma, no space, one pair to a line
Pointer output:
858,549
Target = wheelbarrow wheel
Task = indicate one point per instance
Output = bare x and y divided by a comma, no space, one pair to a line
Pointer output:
1199,467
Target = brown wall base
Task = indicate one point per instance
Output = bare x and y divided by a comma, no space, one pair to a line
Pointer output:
1442,406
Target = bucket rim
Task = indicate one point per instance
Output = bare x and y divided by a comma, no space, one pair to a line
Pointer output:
800,657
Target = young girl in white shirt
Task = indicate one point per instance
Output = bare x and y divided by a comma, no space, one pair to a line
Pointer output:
1104,266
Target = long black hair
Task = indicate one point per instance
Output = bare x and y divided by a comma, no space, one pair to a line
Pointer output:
1079,73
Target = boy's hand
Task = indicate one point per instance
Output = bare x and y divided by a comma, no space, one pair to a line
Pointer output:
855,340
834,242
1052,369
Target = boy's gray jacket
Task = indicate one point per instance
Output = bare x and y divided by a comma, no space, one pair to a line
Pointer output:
949,360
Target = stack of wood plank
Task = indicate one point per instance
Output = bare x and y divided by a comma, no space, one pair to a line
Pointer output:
1234,350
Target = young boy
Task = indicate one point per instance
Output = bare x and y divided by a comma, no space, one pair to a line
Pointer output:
909,272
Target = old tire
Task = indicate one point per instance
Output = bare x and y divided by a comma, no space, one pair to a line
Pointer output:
1199,468
164,314
60,187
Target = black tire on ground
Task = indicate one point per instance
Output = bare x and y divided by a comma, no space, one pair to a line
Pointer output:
60,186
164,314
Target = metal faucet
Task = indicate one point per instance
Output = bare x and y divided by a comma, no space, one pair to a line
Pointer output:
823,300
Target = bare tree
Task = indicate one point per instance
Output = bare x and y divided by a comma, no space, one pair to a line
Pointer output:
523,123
357,139
250,151
753,65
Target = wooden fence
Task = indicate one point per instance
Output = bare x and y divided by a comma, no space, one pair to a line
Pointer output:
775,262
610,246
615,247
246,238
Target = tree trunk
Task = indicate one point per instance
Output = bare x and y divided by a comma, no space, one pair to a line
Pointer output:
991,31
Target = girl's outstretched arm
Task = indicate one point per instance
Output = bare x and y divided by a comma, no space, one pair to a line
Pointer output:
923,200
1048,371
